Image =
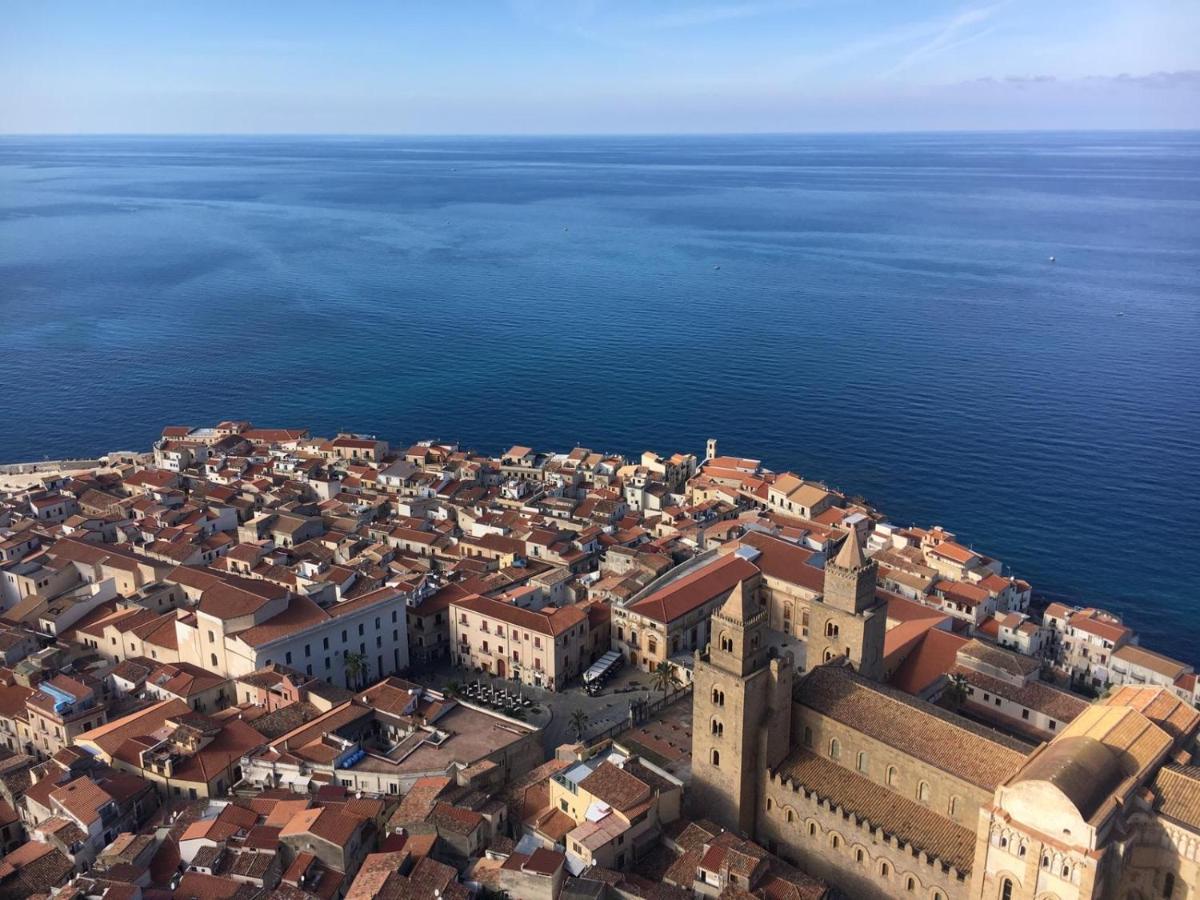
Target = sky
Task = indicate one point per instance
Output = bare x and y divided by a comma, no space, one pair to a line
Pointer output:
595,66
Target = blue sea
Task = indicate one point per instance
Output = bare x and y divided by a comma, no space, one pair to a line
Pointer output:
879,312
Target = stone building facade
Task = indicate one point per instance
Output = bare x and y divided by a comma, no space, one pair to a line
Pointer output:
885,795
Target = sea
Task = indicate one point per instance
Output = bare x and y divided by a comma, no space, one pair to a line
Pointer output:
998,333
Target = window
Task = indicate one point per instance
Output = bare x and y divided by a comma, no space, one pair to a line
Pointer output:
360,629
835,842
790,816
812,829
325,644
1168,884
288,657
726,643
211,638
859,856
718,697
885,870
835,749
715,757
891,776
923,792
910,884
861,763
807,736
718,728
213,657
1024,714
953,808
307,651
831,630
1006,889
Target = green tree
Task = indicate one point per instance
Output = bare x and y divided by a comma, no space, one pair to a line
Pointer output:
579,723
956,690
663,677
356,669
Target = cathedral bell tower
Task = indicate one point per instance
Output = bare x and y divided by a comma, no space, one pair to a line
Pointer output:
849,621
741,713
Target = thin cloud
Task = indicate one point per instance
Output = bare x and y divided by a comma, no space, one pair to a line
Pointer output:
695,17
960,29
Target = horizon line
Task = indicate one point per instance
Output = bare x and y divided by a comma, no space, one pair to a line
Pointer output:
585,134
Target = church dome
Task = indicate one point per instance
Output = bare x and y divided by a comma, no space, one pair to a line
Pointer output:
1082,768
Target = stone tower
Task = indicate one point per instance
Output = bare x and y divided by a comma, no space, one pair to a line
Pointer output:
741,713
849,621
711,449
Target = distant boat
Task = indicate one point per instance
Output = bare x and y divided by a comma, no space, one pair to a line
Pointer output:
1052,259
1120,314
716,267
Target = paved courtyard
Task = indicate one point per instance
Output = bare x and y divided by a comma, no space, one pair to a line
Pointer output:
555,708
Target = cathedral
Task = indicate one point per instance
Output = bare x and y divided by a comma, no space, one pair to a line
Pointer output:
885,795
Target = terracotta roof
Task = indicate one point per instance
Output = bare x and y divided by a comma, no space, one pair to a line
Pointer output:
552,621
961,748
1155,662
907,820
301,613
1177,794
786,561
616,787
707,583
933,656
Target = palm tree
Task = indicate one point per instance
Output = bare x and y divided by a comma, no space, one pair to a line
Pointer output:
956,690
579,723
356,668
663,677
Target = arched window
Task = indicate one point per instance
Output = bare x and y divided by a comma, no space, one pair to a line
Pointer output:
859,856
884,869
923,792
1006,889
835,749
1066,872
770,804
828,655
726,642
953,808
812,829
715,757
835,842
1021,850
937,895
891,776
861,762
718,728
1003,842
1045,862
831,630
718,697
791,816
910,884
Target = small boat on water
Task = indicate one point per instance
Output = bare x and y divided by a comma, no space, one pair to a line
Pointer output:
1052,259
